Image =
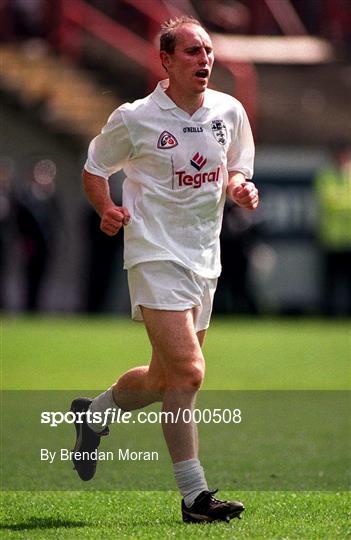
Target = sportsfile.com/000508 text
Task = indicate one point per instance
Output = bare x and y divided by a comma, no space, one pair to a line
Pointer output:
197,416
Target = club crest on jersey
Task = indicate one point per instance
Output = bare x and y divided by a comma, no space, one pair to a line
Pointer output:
166,140
198,161
219,130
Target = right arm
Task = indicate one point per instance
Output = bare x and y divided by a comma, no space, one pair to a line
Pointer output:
113,217
106,155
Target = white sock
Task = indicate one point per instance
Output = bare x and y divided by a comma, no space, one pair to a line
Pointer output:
190,479
100,404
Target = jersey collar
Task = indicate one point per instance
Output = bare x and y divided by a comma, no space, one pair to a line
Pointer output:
159,95
165,102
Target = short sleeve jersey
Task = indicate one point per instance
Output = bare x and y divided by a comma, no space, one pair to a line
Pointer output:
176,168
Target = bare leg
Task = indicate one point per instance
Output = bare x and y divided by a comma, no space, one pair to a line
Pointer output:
201,338
178,350
140,386
143,385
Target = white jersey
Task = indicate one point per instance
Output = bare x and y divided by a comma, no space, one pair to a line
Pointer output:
176,168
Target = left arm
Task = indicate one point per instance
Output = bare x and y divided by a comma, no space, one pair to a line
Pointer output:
241,191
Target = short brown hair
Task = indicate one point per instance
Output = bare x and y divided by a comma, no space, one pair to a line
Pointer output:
168,32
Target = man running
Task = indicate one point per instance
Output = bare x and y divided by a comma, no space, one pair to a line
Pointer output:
184,149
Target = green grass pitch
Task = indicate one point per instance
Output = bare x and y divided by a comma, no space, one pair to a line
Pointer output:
241,354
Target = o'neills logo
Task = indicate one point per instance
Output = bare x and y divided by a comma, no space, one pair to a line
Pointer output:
198,179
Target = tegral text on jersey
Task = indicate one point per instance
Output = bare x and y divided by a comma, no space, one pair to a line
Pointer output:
198,179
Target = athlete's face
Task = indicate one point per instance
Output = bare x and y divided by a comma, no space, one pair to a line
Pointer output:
190,66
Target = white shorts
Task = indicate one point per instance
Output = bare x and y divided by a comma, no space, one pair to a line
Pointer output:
165,285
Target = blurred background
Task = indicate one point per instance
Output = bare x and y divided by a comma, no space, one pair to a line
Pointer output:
67,64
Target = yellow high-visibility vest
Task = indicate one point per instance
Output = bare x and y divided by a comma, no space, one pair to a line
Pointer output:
333,191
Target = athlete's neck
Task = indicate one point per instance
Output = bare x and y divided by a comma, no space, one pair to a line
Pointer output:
189,103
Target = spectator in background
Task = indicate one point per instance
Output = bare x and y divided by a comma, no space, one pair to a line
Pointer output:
333,192
101,256
6,220
38,219
239,232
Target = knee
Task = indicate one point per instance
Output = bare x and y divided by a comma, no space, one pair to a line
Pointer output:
187,376
195,377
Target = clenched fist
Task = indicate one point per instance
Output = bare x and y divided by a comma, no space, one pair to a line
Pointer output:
245,195
113,219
